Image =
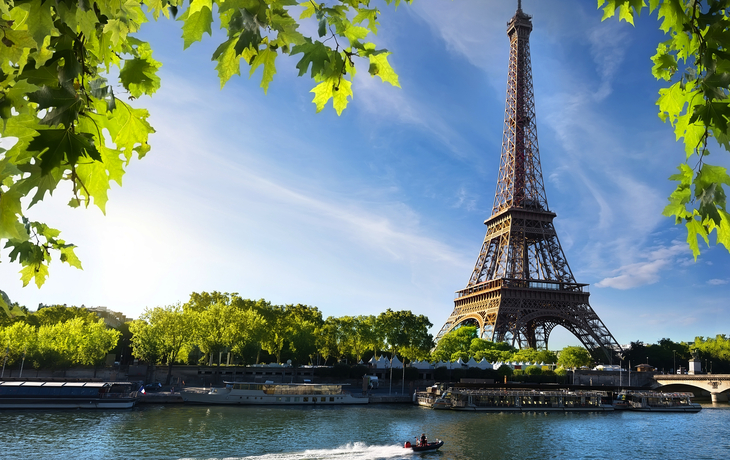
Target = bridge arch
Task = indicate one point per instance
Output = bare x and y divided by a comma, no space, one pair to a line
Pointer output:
718,385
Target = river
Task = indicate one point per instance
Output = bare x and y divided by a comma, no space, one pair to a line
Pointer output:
357,432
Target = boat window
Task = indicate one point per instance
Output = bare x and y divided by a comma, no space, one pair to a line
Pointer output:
332,398
305,399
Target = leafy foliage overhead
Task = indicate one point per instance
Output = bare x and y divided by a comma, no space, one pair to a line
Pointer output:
64,124
695,63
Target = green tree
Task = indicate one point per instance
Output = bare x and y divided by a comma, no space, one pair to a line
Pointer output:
574,357
373,338
359,335
246,330
11,309
695,63
456,341
420,341
49,315
18,339
406,333
277,327
145,342
491,351
303,322
172,328
93,340
328,338
715,352
212,329
533,370
71,128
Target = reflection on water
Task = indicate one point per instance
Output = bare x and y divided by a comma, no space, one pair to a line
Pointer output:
371,432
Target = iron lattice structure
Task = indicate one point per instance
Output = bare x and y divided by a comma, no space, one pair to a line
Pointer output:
522,287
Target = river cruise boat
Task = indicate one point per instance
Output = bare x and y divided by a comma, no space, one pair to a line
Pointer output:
66,395
276,394
503,400
655,401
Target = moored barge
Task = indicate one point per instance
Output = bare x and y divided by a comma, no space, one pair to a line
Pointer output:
513,400
66,395
252,393
655,401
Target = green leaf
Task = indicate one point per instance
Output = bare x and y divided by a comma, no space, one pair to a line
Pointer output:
723,230
370,15
693,133
197,21
665,65
267,57
340,95
40,24
673,14
626,13
228,61
63,105
10,212
117,31
57,146
310,8
672,100
129,128
380,66
695,229
69,256
37,272
139,76
336,88
316,54
35,179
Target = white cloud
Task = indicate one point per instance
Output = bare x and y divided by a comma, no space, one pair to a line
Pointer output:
716,282
647,271
609,42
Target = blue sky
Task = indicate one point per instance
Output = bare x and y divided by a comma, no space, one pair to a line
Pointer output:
383,207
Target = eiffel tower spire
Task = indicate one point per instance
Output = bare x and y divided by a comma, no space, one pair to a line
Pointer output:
521,287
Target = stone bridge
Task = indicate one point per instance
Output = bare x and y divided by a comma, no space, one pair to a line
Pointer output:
717,384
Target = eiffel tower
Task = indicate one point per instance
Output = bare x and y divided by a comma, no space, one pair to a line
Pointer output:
522,287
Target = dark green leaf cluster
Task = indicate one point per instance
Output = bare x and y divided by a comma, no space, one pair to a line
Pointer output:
696,61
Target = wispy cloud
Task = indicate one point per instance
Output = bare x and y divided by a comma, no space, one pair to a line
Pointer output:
396,105
609,42
716,282
647,271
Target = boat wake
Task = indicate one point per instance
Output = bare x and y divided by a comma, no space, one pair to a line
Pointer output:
356,451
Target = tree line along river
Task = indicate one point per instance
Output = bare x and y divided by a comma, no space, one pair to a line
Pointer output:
364,432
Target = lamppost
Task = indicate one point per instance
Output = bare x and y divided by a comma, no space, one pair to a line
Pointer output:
620,369
674,355
7,350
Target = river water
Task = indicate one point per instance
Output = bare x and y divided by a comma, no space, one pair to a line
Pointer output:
357,432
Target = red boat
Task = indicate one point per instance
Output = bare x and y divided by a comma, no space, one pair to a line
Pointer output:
424,447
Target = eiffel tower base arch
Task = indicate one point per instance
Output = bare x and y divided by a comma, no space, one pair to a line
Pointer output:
525,317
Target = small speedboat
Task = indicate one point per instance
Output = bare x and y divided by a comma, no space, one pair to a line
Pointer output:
422,448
